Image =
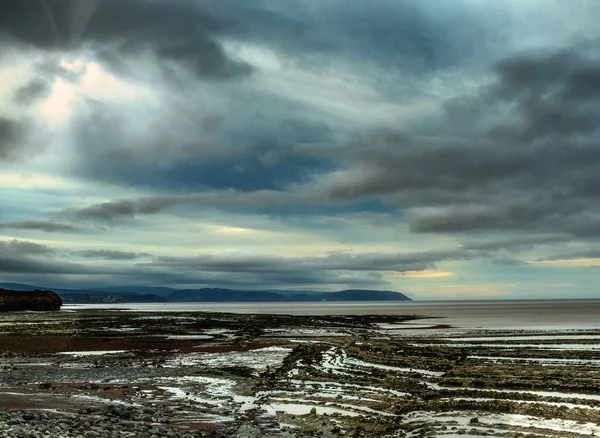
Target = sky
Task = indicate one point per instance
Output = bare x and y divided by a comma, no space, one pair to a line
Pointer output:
443,149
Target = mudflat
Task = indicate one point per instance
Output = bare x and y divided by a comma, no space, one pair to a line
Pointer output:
108,373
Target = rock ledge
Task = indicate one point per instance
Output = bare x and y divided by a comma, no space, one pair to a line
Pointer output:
36,300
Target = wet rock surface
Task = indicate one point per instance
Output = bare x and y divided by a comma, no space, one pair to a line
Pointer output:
127,374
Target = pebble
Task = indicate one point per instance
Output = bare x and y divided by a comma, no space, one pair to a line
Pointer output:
18,424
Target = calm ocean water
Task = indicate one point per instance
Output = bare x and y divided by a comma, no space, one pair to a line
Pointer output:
509,314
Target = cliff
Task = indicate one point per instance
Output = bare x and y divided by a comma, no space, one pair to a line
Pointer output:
36,300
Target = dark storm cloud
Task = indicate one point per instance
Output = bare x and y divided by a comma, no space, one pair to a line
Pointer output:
24,248
524,154
175,31
392,163
573,73
47,226
342,269
13,133
408,34
257,201
256,131
24,257
128,207
516,243
472,217
400,262
261,280
20,138
32,91
29,265
178,147
557,94
107,254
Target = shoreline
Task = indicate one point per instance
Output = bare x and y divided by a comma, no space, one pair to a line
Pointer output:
477,315
106,373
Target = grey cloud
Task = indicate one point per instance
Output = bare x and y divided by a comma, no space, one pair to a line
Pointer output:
20,257
29,265
339,270
110,210
584,253
12,135
32,91
516,243
20,138
335,262
23,247
255,280
129,207
410,35
556,93
533,213
108,254
230,200
24,257
398,163
259,272
523,154
501,214
531,73
230,270
175,31
572,73
506,260
207,148
180,32
47,226
510,165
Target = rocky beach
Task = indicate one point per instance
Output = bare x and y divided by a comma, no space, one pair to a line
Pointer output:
108,373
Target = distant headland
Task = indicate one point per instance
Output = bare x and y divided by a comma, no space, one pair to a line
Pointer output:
148,294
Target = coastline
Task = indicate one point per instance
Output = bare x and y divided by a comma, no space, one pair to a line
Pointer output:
473,314
108,373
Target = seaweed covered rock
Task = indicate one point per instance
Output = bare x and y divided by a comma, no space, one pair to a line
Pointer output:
36,300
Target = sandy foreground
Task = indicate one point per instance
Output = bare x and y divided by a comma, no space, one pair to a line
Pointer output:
124,374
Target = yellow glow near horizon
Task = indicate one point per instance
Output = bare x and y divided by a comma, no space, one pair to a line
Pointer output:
32,181
583,262
232,230
464,290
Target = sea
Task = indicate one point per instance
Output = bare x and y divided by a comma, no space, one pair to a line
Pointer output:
582,314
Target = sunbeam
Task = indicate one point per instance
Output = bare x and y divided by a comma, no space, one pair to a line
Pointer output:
80,15
50,17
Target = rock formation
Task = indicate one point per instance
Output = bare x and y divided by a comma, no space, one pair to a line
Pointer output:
36,300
